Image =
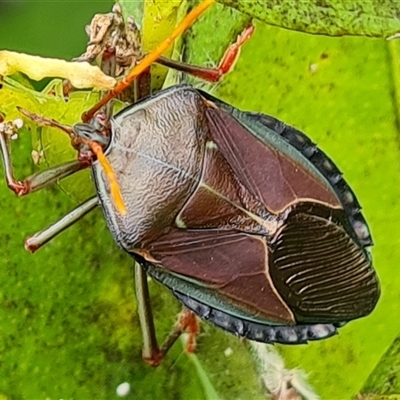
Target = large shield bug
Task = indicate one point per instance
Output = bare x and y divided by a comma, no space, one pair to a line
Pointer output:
249,224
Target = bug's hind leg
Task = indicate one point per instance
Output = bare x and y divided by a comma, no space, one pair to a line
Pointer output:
187,321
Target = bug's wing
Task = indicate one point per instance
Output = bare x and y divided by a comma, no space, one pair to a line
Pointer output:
295,144
276,176
231,266
319,270
320,265
319,160
311,272
312,269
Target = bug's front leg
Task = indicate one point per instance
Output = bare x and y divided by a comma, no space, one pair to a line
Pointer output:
38,180
36,241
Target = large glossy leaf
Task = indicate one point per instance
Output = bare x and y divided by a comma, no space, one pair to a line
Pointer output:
68,311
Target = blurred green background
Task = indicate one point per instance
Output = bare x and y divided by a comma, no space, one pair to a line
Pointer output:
49,29
68,324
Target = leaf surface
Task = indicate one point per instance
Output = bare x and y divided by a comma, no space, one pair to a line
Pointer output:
328,17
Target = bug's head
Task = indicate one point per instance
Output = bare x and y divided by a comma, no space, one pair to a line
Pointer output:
97,131
90,140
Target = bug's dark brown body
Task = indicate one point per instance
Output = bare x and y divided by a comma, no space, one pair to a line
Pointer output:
236,218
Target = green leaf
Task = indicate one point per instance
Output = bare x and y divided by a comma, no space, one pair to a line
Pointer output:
56,144
69,310
378,397
327,17
385,377
341,92
209,390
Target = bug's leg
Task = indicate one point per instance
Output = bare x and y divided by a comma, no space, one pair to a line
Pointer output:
40,179
187,321
212,74
44,121
149,58
39,239
150,351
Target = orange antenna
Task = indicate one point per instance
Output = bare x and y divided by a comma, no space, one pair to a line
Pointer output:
122,85
112,179
149,59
